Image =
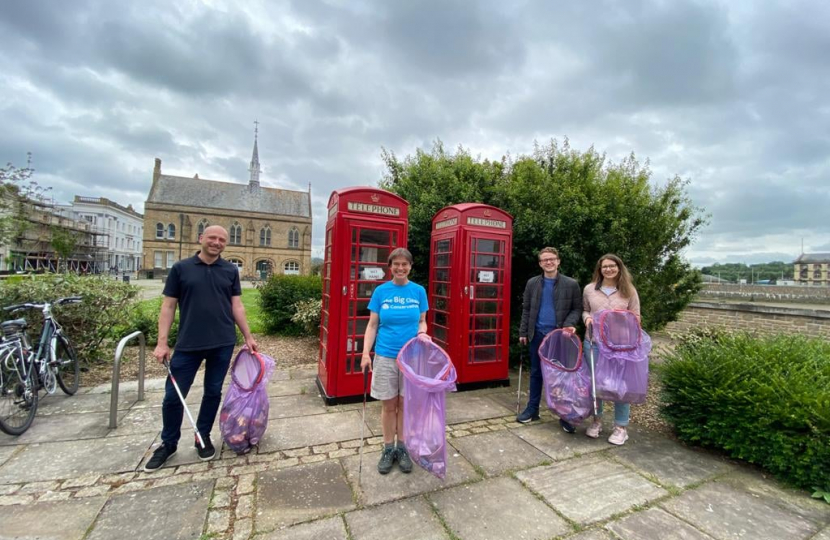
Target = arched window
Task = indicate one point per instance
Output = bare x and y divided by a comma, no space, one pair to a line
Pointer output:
171,231
265,236
803,272
294,238
291,268
200,228
159,230
236,262
236,233
817,272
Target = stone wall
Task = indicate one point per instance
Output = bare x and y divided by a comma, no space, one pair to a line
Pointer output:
754,318
766,293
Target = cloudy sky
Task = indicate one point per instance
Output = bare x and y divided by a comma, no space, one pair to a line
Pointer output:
732,95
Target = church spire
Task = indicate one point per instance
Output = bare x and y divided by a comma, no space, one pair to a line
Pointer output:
255,169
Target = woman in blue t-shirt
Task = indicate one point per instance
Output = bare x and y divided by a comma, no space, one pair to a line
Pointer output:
398,313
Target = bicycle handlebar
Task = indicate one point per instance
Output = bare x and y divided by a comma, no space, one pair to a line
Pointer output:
32,305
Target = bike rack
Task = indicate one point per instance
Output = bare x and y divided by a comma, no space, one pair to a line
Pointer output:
116,372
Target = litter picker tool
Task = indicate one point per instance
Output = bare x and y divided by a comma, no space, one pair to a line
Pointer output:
590,331
519,391
363,423
186,410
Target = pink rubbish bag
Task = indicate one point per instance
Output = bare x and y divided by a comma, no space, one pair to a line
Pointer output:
428,374
567,379
244,415
622,363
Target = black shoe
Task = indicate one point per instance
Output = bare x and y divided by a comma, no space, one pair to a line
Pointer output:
404,461
208,452
527,415
162,453
387,459
567,426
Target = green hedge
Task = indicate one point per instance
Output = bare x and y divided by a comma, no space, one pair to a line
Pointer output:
765,400
278,298
90,325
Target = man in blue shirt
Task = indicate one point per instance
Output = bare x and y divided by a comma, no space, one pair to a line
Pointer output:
207,291
551,300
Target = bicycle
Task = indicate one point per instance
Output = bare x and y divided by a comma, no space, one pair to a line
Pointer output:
24,370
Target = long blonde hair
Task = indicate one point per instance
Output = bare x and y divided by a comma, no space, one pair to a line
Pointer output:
625,285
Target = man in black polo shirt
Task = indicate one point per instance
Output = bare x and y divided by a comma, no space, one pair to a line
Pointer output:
207,290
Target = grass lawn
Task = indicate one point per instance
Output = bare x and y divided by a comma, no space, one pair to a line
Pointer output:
250,299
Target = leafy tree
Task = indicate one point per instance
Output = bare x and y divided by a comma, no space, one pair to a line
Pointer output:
574,201
63,242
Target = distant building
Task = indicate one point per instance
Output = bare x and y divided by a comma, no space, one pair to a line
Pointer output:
119,231
812,269
269,229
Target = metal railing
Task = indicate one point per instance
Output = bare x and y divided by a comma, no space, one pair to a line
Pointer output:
116,372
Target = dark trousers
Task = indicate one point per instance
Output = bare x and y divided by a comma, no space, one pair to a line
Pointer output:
184,366
535,392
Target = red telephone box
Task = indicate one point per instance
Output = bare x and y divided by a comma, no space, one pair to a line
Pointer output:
364,226
469,289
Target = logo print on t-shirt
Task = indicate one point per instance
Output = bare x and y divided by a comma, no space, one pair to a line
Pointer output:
384,306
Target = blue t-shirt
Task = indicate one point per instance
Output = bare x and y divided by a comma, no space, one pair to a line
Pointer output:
546,320
399,308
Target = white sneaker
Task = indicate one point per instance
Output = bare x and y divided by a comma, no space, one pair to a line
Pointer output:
619,436
594,429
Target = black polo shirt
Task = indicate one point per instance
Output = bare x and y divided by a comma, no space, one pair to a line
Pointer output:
204,294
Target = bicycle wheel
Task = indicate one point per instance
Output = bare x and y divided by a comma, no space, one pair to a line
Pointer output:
18,397
66,366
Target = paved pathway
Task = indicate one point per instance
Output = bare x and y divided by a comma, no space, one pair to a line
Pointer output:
69,477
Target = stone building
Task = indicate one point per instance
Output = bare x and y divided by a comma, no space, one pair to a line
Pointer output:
269,229
812,269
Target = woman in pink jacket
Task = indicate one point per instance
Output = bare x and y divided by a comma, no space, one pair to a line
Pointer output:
611,288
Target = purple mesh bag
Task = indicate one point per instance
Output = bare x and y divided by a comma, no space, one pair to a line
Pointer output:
428,374
622,363
567,380
244,415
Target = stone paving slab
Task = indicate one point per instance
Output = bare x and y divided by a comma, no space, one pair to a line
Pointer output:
138,420
7,452
589,489
303,372
60,520
410,519
376,488
70,459
301,493
63,427
193,399
164,513
280,375
553,441
498,451
467,407
294,406
655,523
670,462
150,385
474,512
85,403
284,433
823,535
723,511
290,387
324,529
596,534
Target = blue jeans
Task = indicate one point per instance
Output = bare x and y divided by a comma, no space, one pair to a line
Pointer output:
184,366
622,411
535,391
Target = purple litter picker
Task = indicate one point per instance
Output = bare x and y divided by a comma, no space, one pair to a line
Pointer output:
428,375
567,380
622,365
244,415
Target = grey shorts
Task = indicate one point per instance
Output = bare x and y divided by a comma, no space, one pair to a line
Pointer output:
387,380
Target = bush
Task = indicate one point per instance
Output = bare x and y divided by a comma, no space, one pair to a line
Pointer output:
307,315
106,308
765,400
278,297
145,318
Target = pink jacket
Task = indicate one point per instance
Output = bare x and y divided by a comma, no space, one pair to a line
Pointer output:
594,300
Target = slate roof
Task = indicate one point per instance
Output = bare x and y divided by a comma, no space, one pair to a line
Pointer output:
807,258
204,193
